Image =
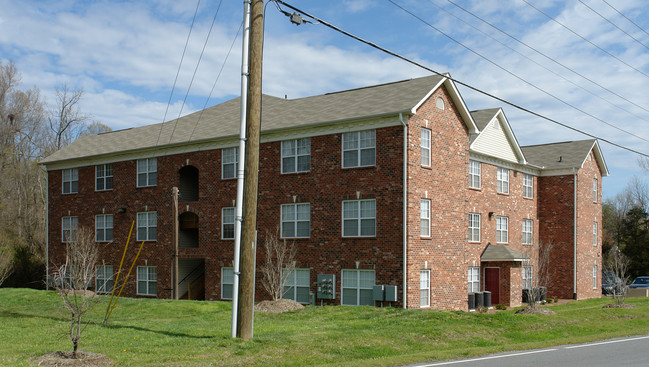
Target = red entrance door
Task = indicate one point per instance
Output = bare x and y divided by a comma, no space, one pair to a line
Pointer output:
492,284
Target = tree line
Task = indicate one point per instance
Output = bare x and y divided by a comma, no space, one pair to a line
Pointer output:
30,130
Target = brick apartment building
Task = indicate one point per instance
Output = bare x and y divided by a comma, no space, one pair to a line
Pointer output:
395,184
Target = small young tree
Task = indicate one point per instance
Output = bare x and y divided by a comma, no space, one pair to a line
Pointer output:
72,280
536,274
5,263
616,266
279,264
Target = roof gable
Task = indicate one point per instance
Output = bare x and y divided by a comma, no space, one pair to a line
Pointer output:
561,158
495,137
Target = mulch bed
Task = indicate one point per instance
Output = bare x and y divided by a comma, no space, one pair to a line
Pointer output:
279,306
535,311
59,358
615,305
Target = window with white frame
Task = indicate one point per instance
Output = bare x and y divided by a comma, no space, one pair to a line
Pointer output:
147,280
359,218
359,149
528,238
296,155
103,228
475,173
357,287
594,233
425,147
103,177
296,220
227,223
594,276
104,278
527,276
424,288
297,285
595,190
147,172
474,227
70,179
502,229
69,228
424,216
229,162
528,186
473,283
503,180
227,282
147,226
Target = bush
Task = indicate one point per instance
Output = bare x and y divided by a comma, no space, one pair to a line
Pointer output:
501,307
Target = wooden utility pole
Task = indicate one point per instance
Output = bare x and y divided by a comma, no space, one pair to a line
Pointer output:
174,191
251,180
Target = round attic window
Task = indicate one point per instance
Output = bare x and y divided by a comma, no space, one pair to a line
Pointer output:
439,103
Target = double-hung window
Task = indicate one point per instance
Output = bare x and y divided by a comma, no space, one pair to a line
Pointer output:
473,279
594,233
425,218
359,149
103,228
528,186
104,278
296,220
359,218
296,155
229,162
474,227
70,180
502,229
425,147
147,226
475,173
357,287
528,238
527,276
594,276
227,282
147,280
503,180
296,285
424,288
69,228
147,172
227,223
103,177
594,190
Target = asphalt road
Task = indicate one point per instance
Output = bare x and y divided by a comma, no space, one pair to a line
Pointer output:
623,352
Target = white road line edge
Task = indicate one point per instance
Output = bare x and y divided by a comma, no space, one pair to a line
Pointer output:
608,342
486,358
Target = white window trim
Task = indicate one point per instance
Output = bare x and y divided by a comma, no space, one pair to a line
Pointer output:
595,190
104,228
223,223
502,180
359,218
71,226
148,214
595,276
149,171
528,188
424,286
473,278
527,276
426,147
358,288
101,283
358,149
424,217
528,224
105,177
595,234
291,280
296,156
224,163
473,229
475,173
148,281
501,222
294,221
73,176
223,269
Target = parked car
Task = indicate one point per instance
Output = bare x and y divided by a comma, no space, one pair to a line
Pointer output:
640,282
609,280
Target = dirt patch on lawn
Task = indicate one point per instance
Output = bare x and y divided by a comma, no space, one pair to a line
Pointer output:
615,305
533,311
279,306
84,359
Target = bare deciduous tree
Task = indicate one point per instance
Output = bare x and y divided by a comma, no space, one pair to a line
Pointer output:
72,280
66,122
5,263
536,272
616,267
279,264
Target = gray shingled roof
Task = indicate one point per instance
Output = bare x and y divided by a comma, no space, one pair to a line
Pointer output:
501,253
482,117
223,120
570,154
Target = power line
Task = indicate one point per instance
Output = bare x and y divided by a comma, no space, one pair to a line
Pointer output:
373,45
178,72
516,76
613,24
627,18
585,39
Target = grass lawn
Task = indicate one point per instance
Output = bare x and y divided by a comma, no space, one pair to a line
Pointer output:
149,332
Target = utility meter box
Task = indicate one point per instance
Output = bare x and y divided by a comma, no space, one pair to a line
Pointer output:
378,293
326,286
391,293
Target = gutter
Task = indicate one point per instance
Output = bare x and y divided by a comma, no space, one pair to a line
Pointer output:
405,211
574,265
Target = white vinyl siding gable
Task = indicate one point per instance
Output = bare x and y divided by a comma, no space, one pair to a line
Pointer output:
494,142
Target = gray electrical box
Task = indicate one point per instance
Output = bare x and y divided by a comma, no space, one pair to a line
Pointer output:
378,293
326,286
391,293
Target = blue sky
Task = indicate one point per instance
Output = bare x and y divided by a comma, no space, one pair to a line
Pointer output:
125,55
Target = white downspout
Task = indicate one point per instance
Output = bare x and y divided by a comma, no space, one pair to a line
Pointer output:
405,211
574,265
240,168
